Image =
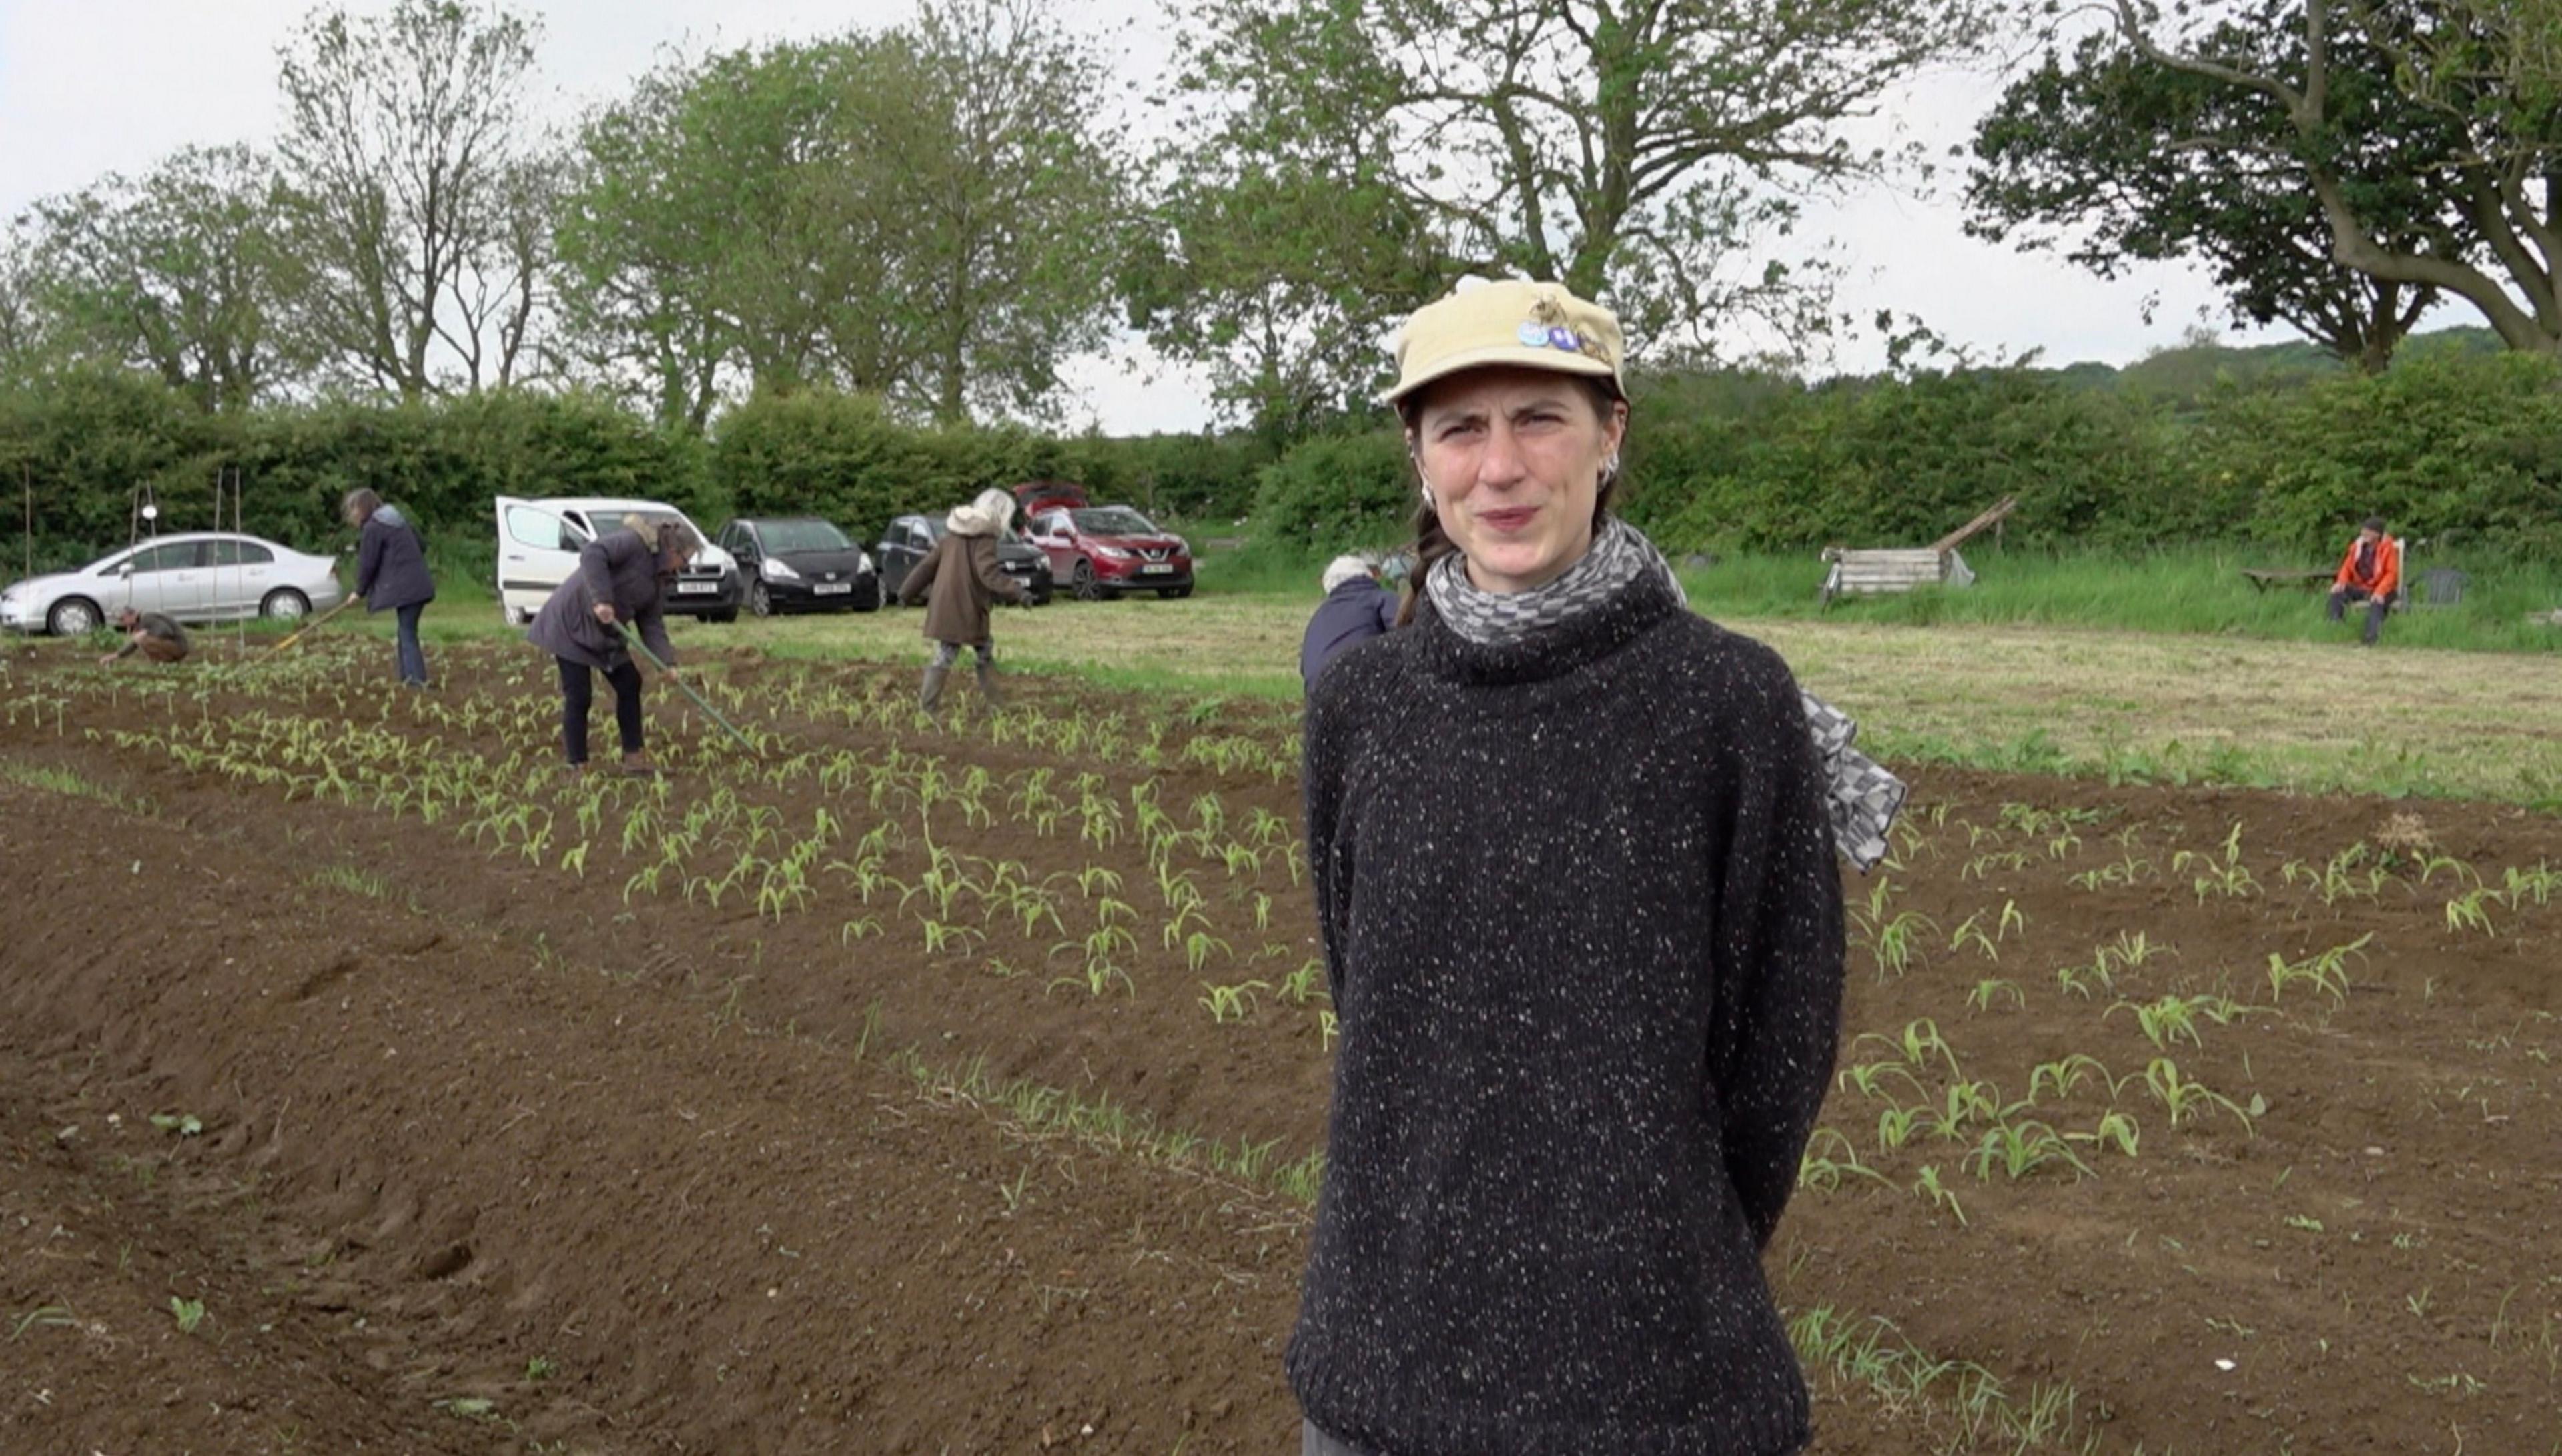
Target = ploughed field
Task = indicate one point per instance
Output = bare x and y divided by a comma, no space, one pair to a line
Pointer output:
367,1083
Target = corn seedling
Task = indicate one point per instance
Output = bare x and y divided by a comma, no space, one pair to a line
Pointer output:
2182,1099
2020,1148
1896,1126
1869,1078
1926,1184
1969,933
1991,987
2470,912
1921,1039
2063,1077
2116,1129
1197,947
2326,971
1819,1168
1231,1002
1307,981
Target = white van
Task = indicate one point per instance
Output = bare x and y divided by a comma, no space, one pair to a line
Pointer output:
538,542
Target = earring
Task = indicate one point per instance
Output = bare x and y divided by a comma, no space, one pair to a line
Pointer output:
1428,502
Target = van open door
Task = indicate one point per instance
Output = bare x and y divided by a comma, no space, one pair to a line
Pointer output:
536,553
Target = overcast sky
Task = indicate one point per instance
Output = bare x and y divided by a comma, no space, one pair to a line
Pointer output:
89,86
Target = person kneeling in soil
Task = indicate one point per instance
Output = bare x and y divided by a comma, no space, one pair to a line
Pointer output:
618,584
959,581
2370,573
154,636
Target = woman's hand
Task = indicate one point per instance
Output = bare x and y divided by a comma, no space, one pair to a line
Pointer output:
605,613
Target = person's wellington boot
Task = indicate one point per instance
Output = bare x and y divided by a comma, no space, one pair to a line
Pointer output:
988,689
930,697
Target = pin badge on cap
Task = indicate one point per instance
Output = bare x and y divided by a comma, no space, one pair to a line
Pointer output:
1532,334
1562,337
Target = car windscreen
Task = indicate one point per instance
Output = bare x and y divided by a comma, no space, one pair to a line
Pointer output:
935,526
1113,520
803,535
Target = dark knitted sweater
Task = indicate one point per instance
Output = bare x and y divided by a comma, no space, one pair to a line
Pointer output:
1585,935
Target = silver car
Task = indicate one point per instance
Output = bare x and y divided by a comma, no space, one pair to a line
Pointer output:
195,576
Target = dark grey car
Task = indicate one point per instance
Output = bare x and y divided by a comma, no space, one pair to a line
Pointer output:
909,537
800,564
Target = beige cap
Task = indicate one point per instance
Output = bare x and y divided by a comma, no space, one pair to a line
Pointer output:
1523,324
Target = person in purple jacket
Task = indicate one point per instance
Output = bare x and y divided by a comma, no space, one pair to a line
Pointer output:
618,579
391,575
1358,607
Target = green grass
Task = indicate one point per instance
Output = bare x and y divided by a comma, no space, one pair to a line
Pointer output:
2196,590
2166,669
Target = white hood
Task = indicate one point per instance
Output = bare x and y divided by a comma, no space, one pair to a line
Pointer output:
985,516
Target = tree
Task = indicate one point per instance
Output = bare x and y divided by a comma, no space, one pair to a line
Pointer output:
1012,195
2490,149
180,272
927,214
20,323
2120,159
1277,279
401,154
1652,153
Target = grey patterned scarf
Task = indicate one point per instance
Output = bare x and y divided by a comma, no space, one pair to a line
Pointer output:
1864,797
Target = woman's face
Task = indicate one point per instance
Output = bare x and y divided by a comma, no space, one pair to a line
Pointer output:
1513,458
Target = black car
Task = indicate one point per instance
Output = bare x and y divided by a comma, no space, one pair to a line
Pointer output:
800,564
909,537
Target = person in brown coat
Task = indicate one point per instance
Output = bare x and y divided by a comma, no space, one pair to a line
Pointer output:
958,581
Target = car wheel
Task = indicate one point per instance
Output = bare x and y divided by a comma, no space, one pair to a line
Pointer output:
759,600
285,604
1088,587
868,601
77,617
1169,592
726,614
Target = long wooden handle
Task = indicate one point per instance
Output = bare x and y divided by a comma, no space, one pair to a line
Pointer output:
683,685
314,622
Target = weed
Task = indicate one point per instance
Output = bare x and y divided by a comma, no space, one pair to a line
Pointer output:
189,1313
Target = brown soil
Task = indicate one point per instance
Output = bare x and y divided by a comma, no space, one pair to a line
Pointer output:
496,1157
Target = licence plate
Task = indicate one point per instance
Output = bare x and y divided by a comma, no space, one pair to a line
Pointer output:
831,589
1156,569
695,588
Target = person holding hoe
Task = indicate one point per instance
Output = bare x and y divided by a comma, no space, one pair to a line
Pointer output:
617,588
959,581
391,575
1572,849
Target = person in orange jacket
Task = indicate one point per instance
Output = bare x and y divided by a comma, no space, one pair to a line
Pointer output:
2371,573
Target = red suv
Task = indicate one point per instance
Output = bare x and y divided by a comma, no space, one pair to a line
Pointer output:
1100,551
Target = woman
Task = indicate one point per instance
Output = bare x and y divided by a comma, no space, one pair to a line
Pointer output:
619,578
1573,872
959,581
1358,607
391,575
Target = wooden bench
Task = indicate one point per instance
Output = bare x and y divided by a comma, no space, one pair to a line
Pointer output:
1869,573
2262,578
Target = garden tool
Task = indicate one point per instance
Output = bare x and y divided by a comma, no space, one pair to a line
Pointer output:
314,622
683,685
